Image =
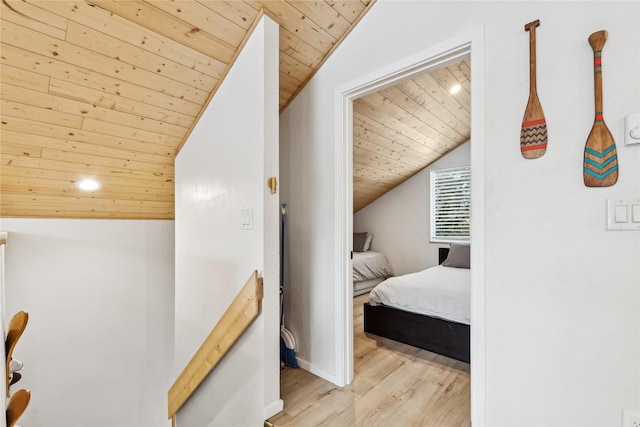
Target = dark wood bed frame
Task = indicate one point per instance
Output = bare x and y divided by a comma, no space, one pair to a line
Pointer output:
440,336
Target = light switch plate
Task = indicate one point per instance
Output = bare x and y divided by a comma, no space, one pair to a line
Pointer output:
246,219
632,129
622,214
635,213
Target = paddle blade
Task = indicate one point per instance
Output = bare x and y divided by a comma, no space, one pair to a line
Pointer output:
533,135
600,166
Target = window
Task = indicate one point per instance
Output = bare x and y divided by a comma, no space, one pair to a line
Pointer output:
451,204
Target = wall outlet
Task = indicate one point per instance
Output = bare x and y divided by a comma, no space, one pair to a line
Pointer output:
630,419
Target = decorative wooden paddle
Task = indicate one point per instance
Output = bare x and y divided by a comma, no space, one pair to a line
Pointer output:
17,405
533,136
600,156
17,326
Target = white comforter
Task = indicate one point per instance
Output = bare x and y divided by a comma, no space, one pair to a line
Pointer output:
443,292
370,265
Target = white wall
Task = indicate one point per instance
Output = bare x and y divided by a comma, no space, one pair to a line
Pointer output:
562,294
99,343
399,219
221,170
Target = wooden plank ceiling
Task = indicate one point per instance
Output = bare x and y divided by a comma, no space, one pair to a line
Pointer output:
400,130
111,90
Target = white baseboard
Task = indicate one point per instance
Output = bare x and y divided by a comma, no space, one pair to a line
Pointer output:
273,408
331,377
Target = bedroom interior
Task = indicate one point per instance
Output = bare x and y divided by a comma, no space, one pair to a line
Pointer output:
399,134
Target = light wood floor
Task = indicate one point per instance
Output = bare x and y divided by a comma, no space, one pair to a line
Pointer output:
395,385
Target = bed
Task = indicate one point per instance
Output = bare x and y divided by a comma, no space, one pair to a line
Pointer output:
369,267
429,309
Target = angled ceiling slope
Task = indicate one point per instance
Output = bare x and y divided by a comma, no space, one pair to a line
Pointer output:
111,89
400,130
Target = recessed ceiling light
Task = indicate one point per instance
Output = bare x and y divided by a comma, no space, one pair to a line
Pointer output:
88,185
455,89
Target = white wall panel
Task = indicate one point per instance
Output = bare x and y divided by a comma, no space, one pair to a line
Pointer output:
221,171
98,346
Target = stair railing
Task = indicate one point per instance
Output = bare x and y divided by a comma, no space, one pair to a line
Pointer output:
243,310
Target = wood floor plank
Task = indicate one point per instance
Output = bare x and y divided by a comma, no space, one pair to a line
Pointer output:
395,385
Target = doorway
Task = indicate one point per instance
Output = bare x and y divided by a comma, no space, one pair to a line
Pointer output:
447,53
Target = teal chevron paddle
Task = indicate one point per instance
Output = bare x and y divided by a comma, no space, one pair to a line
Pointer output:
600,166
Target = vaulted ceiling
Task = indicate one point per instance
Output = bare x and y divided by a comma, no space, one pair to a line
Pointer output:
400,130
111,90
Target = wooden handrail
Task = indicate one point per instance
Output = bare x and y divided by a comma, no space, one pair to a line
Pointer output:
240,314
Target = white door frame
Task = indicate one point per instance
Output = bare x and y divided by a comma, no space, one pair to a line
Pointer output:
453,50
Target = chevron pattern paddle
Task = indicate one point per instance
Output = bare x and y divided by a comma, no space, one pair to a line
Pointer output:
600,167
533,135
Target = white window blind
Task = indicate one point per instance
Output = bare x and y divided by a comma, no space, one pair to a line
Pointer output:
451,204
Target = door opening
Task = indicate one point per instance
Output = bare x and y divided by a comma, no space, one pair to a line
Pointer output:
419,64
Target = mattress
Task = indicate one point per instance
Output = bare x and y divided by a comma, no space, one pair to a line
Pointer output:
370,265
442,292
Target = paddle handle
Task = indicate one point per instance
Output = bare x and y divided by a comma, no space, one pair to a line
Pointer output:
531,27
597,41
